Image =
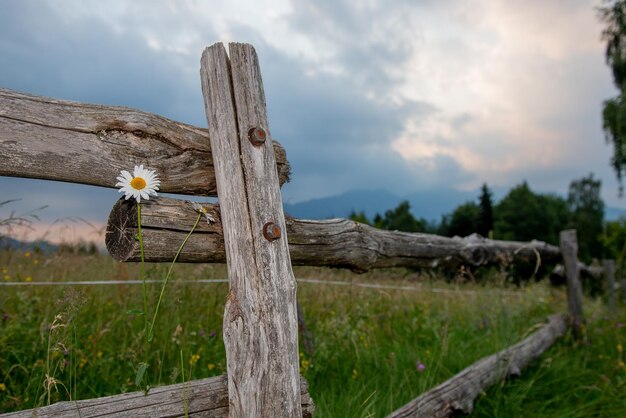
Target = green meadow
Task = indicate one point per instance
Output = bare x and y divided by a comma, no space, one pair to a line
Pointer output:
368,351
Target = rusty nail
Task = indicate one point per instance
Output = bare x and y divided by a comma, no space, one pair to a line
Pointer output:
257,136
271,231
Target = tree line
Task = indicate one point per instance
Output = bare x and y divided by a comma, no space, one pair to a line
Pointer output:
522,215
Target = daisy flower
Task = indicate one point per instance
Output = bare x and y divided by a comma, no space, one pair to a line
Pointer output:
202,210
142,183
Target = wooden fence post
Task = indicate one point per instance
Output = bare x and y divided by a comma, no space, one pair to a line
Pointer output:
260,319
569,250
609,277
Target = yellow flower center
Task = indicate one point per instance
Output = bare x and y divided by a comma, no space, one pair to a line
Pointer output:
138,183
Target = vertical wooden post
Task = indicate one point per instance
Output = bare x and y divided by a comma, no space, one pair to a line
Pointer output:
623,289
569,251
609,277
260,320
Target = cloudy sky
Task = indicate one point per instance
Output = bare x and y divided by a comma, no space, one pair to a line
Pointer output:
396,94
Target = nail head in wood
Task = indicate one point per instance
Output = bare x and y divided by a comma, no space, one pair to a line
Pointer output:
271,231
257,136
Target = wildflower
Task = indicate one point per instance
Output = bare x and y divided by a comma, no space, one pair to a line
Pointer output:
28,279
194,359
142,183
201,209
27,254
419,366
3,387
210,366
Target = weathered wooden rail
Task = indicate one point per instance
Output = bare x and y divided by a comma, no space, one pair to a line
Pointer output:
51,139
332,242
458,393
203,397
237,160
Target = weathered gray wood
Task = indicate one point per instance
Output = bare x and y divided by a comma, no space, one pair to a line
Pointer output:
260,320
204,397
332,242
611,296
586,272
52,139
458,393
622,286
569,250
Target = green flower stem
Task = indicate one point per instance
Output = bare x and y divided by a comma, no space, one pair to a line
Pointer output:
143,275
169,272
182,370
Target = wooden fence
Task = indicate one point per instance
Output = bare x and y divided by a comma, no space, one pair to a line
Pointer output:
237,160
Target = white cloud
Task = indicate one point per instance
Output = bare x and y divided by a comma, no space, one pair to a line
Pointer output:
517,70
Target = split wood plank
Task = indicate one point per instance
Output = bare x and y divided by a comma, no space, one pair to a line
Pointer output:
458,393
51,139
204,398
569,250
260,319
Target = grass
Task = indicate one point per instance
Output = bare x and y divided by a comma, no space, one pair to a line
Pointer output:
59,342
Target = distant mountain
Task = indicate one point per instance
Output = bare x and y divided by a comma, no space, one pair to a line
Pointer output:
340,206
43,246
427,204
430,204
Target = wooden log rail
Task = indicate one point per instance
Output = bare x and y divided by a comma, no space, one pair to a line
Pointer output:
53,139
332,242
458,393
204,398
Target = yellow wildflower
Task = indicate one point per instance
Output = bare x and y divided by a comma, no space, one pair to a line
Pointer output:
194,359
210,366
3,387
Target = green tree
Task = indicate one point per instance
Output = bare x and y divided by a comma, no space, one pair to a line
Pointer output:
523,215
464,220
587,215
614,110
614,241
359,217
400,219
485,218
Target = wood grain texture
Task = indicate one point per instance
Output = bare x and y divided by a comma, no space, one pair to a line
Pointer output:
457,394
569,250
52,139
260,318
205,398
332,242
